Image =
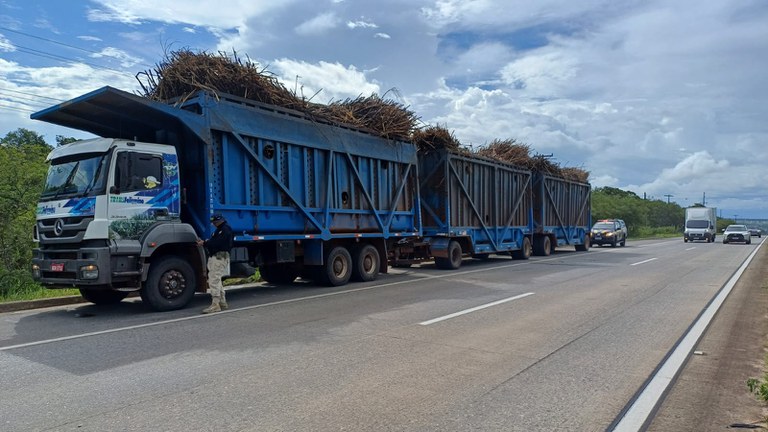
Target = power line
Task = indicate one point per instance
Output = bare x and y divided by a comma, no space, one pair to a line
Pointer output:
31,94
44,54
26,110
57,42
48,40
23,101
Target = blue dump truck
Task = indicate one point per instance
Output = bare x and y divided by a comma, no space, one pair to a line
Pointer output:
305,199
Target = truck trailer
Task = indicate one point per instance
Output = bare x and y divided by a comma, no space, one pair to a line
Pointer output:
474,207
123,214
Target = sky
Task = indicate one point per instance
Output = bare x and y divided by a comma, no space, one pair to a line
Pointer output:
666,99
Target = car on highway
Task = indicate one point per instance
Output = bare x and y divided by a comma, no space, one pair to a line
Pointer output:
756,232
737,233
609,232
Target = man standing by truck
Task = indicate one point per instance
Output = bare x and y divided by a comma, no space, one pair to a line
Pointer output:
217,248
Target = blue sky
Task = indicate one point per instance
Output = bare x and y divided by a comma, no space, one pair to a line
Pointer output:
657,97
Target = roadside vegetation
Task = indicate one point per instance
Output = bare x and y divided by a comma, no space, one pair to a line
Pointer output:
22,158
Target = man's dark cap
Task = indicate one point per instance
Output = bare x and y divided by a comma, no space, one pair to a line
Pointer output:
217,217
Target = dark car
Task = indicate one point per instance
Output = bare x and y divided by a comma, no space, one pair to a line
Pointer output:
755,232
609,231
737,233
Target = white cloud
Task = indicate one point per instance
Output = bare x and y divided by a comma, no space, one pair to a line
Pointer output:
361,24
319,24
89,38
541,74
6,45
126,60
233,14
40,88
334,81
382,36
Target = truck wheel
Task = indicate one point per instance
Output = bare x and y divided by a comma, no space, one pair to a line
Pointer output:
542,246
454,257
337,268
103,296
278,274
365,266
584,246
525,252
170,284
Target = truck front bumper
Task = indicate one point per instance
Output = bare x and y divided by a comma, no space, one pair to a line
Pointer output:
61,268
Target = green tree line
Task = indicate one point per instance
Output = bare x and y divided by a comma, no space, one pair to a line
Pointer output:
22,177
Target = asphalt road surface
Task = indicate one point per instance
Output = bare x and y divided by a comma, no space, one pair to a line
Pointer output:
563,342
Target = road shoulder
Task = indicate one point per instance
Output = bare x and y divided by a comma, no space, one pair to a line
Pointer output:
711,392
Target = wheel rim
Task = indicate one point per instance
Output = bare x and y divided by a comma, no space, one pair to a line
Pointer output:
368,264
340,267
172,284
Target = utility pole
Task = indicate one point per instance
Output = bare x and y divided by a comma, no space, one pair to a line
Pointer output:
704,200
668,197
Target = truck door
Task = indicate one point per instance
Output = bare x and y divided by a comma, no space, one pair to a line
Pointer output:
139,195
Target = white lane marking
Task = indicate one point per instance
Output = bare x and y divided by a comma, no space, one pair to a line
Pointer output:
474,309
638,414
643,262
691,248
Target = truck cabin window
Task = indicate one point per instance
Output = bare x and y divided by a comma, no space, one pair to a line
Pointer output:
76,176
138,171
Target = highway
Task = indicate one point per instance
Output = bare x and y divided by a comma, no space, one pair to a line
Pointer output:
563,342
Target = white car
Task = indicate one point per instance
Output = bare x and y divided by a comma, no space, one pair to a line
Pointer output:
737,233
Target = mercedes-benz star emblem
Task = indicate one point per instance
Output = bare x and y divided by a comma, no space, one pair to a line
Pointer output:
58,227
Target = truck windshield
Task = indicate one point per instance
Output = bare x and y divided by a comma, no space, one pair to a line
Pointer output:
697,224
79,175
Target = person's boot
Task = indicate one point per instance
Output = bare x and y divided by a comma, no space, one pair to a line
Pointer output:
223,301
214,307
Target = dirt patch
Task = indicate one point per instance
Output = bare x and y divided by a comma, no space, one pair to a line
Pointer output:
711,393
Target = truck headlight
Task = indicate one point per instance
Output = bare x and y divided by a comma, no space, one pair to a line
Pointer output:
35,271
90,271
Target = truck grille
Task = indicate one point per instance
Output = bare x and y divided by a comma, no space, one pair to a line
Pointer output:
62,230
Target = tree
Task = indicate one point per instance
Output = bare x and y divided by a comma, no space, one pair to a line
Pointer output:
22,158
62,140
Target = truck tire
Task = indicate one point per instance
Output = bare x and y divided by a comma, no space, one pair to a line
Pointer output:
542,246
365,264
170,284
584,246
278,274
525,252
103,296
454,257
337,268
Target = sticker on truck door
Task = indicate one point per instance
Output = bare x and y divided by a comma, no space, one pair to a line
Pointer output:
146,188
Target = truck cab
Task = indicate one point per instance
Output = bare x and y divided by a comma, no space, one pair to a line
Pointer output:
106,207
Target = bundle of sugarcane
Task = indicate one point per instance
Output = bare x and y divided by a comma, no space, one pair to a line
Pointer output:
385,117
435,138
508,150
575,174
183,72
